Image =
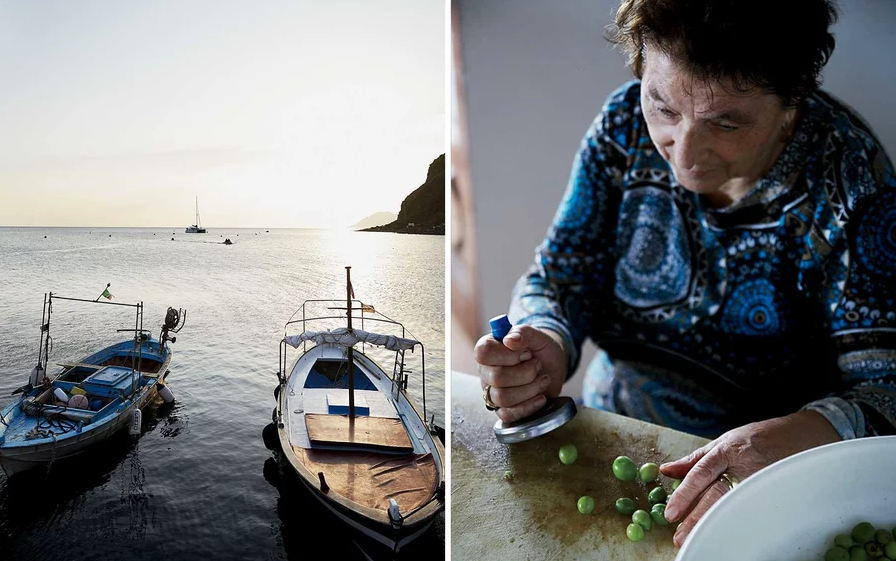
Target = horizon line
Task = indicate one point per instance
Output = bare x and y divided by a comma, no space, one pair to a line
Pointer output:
181,227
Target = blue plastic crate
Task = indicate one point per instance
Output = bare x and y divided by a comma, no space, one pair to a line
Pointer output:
111,381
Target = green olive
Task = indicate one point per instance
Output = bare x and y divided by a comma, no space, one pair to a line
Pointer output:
658,513
883,537
863,533
649,472
844,541
585,504
624,468
568,453
635,532
657,495
836,554
677,482
874,550
857,553
625,506
642,518
890,550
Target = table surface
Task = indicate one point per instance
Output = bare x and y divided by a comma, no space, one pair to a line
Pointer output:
532,513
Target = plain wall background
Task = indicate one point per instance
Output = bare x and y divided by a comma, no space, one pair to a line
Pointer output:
537,73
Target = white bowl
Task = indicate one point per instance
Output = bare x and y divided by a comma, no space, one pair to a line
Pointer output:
792,509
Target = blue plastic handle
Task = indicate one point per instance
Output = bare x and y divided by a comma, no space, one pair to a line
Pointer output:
500,326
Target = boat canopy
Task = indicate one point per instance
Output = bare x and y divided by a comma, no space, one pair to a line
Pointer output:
344,338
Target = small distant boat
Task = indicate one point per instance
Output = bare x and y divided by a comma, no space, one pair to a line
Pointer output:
351,432
196,228
89,399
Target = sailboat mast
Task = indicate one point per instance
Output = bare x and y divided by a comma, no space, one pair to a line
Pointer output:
198,223
44,322
351,362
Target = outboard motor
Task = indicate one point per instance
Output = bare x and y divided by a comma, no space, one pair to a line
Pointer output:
174,322
37,376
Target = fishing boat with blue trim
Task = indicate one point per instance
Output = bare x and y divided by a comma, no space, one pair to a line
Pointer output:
89,399
352,434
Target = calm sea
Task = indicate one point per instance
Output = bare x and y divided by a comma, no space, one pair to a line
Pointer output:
199,483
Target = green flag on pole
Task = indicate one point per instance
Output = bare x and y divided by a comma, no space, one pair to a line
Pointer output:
106,294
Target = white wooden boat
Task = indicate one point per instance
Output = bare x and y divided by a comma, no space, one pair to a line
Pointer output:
354,437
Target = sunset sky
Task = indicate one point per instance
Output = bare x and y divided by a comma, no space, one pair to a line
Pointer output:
275,113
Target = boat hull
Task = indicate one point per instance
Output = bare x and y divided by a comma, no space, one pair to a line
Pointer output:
383,534
17,458
372,523
22,458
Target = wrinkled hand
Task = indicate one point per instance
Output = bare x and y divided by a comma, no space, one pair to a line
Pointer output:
741,453
524,368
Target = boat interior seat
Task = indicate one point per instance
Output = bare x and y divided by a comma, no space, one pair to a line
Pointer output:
147,364
70,413
79,365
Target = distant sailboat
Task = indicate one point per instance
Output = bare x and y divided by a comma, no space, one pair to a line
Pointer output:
196,228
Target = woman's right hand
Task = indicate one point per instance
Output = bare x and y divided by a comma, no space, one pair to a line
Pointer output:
522,370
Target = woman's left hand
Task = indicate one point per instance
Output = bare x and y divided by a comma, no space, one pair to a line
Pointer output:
740,453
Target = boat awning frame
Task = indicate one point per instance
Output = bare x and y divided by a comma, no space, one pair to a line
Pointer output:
344,337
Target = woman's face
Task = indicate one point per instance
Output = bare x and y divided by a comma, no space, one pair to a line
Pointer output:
719,142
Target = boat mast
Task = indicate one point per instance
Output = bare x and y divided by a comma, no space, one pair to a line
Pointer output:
43,350
198,223
351,363
47,329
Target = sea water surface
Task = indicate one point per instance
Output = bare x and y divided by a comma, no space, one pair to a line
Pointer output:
198,483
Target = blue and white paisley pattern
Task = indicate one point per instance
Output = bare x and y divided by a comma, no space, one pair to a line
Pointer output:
741,294
876,244
702,286
653,393
577,211
654,267
868,364
753,310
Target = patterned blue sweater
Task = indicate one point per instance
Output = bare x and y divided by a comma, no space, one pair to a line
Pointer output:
713,318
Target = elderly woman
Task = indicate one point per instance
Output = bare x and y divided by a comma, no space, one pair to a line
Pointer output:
728,238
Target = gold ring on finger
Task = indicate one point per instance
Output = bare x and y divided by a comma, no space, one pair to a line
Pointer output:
729,480
486,395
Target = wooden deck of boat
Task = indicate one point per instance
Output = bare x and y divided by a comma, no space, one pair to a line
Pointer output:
370,432
314,401
371,479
